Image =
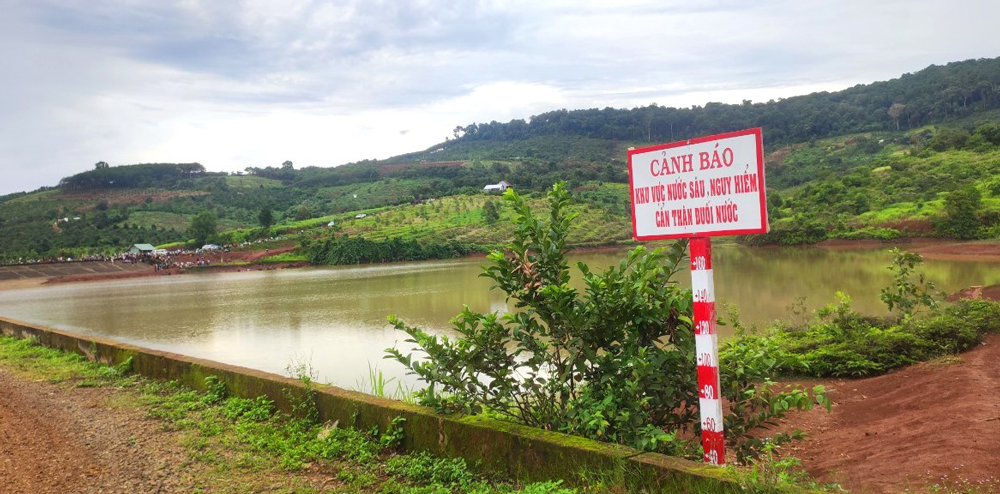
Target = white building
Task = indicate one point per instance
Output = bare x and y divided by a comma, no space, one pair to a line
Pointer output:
502,187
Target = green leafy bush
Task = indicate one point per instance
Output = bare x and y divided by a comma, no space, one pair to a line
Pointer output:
909,290
843,343
614,361
749,365
803,233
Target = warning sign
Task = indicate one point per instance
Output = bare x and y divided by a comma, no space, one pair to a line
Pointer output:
699,187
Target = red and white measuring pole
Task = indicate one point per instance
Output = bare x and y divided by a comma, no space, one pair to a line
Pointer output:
698,188
707,348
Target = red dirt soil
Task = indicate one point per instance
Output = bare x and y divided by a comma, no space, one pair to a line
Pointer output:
960,251
935,423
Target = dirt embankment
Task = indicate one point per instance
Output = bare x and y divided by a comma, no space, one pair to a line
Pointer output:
960,251
932,424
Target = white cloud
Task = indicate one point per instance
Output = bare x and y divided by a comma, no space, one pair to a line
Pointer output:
232,84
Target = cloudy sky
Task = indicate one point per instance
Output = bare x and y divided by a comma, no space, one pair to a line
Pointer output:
232,84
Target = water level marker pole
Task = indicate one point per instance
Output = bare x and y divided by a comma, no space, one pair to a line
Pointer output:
707,349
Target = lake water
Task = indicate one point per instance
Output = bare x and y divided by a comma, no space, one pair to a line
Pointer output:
333,320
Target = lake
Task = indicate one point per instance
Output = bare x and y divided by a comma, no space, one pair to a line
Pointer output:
332,320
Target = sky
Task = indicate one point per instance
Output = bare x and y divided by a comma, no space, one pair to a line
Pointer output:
234,84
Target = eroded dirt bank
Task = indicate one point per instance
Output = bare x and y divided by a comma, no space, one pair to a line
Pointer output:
933,423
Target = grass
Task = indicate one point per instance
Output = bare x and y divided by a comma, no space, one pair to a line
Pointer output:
162,220
376,384
244,445
903,211
286,257
251,181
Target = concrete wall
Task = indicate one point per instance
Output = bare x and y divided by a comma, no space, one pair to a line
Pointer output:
76,268
521,452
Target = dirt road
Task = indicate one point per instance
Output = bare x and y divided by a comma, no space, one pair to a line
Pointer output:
62,439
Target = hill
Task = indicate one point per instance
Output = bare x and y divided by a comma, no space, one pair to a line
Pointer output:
872,161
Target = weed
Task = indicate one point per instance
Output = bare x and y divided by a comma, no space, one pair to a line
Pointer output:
424,468
256,410
775,474
302,369
377,385
216,391
393,436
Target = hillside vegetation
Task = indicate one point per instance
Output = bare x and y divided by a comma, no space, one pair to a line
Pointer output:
917,155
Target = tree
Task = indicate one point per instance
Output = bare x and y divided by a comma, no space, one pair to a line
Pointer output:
302,213
491,212
895,111
287,165
961,209
774,199
265,218
101,165
203,227
905,294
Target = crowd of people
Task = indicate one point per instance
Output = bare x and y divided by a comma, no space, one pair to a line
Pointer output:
162,259
159,259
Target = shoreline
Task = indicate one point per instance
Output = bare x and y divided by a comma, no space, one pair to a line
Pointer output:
22,283
929,248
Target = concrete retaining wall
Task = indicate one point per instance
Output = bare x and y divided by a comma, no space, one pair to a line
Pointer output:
521,452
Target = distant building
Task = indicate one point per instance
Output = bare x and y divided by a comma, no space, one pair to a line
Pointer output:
501,187
141,249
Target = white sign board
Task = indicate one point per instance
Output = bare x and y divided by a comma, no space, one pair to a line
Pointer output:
699,187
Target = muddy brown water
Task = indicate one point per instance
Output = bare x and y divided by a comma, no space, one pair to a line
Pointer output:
332,321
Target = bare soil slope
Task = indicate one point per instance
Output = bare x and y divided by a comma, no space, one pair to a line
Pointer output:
932,423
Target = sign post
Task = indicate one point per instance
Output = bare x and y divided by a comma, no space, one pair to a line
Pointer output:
706,342
697,189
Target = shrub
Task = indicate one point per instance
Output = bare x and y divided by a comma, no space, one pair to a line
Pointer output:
982,315
344,249
843,343
614,361
909,290
749,365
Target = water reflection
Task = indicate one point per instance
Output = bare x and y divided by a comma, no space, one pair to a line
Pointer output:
334,319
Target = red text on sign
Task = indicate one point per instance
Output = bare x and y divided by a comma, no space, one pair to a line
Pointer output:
715,159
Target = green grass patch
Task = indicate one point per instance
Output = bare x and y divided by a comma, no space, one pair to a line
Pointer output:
251,181
161,220
285,257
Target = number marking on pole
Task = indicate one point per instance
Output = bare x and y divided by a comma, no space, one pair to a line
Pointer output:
707,352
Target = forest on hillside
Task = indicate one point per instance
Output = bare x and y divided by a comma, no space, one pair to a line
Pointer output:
933,95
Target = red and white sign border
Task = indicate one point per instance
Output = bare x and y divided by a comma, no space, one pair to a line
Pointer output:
756,131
